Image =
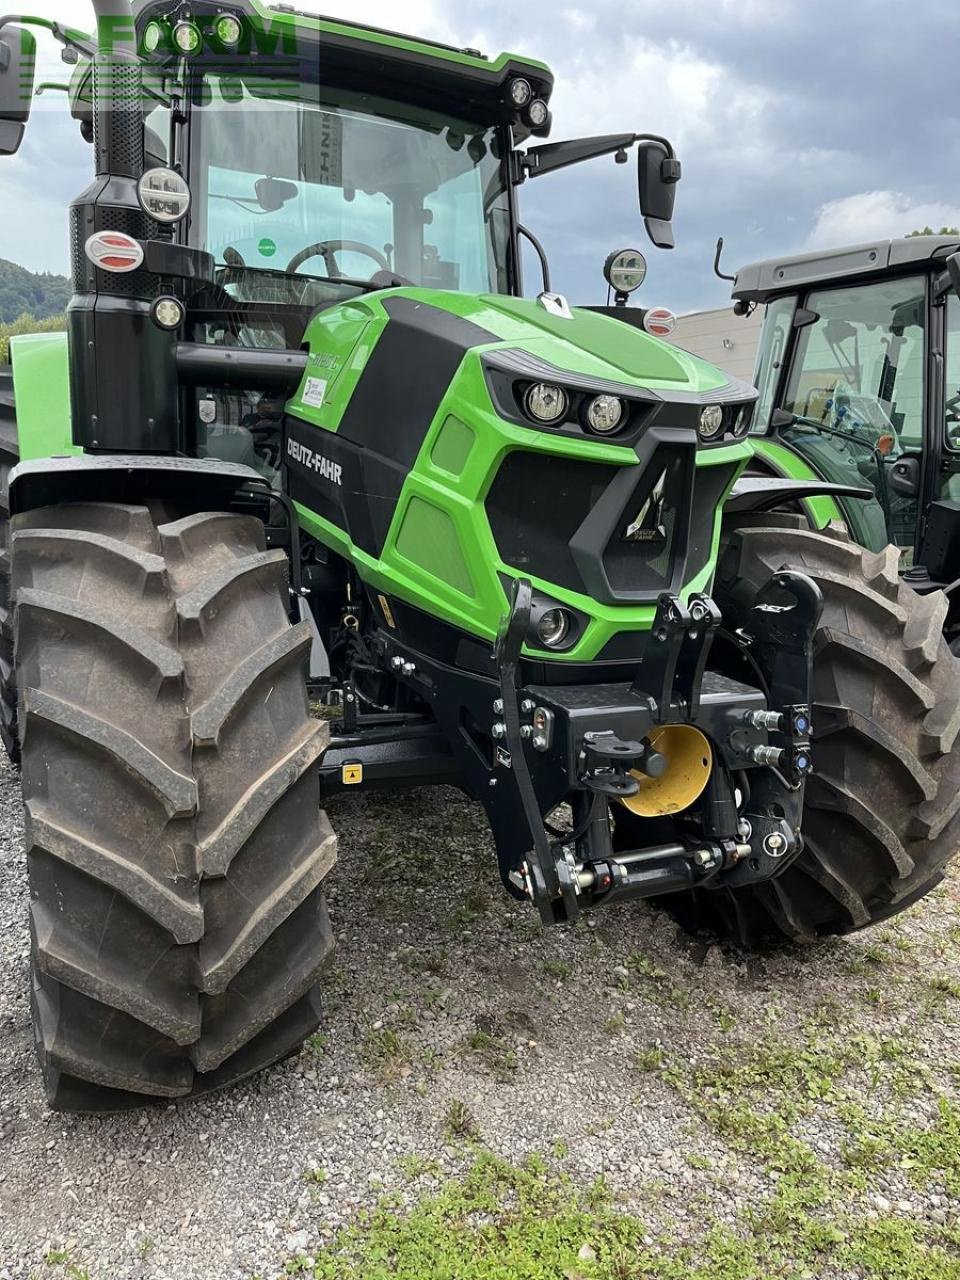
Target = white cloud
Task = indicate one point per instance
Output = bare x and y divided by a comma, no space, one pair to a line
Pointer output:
876,215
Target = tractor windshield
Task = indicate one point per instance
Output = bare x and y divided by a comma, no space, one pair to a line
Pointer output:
855,388
291,193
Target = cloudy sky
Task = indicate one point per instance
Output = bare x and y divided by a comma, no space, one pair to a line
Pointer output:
800,123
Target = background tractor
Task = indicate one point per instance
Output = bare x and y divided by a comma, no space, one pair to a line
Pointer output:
859,377
304,413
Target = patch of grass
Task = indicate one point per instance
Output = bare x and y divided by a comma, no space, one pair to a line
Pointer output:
459,1122
507,1222
866,1152
559,970
930,1154
316,1177
413,1167
492,1051
615,1025
945,986
650,1059
61,1258
317,1044
474,904
386,1053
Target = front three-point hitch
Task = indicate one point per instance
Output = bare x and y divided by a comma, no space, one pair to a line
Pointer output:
683,751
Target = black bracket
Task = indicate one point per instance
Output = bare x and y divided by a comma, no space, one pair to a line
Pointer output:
782,626
678,648
543,872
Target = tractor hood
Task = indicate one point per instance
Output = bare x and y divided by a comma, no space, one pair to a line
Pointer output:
587,346
595,345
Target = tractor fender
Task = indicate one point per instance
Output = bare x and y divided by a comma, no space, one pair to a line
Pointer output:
763,493
198,484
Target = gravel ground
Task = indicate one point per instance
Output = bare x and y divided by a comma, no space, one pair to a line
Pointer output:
602,1045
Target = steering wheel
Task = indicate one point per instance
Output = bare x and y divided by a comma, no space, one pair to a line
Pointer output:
328,250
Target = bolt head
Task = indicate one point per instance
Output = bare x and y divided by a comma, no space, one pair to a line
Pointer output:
498,707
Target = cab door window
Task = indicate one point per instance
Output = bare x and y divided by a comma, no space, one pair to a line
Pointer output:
856,390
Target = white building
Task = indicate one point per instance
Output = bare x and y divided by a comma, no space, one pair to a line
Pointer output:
724,339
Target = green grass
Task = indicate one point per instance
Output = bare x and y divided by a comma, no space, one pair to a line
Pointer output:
386,1054
506,1222
492,1052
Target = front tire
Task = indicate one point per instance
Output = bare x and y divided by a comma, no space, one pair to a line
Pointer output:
176,849
880,814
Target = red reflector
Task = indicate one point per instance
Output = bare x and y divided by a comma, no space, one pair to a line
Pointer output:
114,251
660,322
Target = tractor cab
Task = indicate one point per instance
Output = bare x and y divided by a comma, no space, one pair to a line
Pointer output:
859,378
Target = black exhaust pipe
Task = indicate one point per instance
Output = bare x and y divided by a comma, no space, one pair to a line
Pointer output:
117,92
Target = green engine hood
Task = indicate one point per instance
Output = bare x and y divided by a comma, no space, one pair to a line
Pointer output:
599,345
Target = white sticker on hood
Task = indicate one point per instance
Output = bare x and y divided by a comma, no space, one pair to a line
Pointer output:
314,392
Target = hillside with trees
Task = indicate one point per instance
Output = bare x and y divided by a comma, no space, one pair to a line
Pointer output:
37,294
30,302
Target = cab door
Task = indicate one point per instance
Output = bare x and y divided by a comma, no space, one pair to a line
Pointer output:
855,392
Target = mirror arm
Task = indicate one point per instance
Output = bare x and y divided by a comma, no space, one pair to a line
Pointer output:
560,155
541,254
722,275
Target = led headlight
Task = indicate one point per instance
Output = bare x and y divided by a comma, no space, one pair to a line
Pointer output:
625,270
167,313
164,195
605,414
187,37
521,91
538,113
152,37
711,422
553,629
228,29
546,403
741,425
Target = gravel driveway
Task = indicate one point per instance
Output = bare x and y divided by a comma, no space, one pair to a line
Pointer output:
613,1049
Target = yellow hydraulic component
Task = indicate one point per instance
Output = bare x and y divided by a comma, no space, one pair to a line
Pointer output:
689,759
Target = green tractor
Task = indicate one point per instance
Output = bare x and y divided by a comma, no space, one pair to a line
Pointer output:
305,433
859,378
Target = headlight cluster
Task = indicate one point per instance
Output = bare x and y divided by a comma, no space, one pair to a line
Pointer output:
549,405
718,421
530,108
186,35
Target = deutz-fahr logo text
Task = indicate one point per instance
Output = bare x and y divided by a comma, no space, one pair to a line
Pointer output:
331,471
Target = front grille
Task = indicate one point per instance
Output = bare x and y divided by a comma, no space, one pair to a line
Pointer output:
619,535
535,506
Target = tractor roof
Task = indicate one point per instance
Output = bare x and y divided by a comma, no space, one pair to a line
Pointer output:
761,281
341,53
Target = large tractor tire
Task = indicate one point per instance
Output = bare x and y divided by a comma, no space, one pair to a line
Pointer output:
9,736
175,843
880,815
9,456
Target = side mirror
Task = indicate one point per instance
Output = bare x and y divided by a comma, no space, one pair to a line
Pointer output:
905,477
658,174
18,62
273,193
